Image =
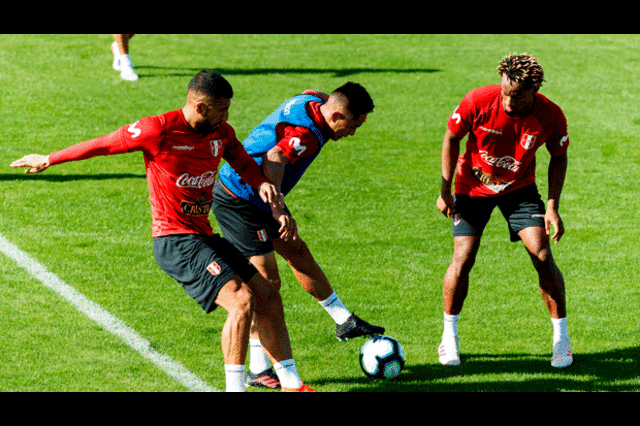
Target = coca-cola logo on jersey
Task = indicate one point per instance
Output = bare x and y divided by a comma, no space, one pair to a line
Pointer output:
201,181
506,162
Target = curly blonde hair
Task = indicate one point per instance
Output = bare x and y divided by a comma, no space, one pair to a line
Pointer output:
522,68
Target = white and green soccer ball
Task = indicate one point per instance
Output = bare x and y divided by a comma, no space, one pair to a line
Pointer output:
382,357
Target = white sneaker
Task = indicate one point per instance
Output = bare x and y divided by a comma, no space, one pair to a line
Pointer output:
126,69
562,354
449,351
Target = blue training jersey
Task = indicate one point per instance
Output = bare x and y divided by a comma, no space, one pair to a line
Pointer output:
263,138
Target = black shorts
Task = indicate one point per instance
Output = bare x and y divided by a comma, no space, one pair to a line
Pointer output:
201,264
522,208
247,227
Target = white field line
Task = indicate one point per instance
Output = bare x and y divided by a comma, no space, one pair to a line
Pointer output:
106,320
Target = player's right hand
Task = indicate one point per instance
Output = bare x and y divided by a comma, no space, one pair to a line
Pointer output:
37,163
288,227
446,205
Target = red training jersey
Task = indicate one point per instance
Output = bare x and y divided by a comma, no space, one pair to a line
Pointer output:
181,167
501,150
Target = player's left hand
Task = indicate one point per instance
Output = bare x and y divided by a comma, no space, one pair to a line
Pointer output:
273,197
552,218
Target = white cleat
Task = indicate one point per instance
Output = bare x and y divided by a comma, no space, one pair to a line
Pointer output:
562,354
449,351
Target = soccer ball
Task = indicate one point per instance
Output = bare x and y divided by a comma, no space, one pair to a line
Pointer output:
382,357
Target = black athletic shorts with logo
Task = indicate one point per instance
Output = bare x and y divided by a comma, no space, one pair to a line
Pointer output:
201,264
521,208
247,227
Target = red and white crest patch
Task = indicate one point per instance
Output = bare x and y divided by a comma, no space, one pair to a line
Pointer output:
214,268
528,141
262,235
215,147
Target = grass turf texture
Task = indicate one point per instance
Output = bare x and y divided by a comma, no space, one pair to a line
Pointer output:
366,208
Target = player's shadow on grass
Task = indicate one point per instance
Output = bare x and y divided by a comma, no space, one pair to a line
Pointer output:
593,372
145,71
69,178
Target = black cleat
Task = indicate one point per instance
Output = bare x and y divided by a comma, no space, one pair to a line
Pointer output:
355,327
267,379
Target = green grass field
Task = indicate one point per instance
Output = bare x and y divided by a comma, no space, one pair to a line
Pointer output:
366,208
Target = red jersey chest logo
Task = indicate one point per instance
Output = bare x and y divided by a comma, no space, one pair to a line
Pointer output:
215,147
528,141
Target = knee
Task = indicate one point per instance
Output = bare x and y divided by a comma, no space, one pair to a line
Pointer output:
542,259
268,296
463,259
294,250
271,306
300,258
243,304
273,299
275,283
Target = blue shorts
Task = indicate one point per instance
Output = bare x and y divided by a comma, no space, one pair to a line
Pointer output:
521,208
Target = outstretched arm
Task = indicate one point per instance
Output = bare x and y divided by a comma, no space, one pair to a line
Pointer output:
105,145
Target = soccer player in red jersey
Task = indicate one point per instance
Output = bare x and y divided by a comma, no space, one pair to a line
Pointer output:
182,151
506,124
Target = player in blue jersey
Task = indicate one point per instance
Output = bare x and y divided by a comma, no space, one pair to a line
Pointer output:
284,145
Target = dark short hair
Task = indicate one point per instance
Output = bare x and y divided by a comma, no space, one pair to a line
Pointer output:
210,83
359,101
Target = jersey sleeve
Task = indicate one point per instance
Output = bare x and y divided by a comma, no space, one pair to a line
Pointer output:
298,142
129,138
143,135
243,164
461,119
558,143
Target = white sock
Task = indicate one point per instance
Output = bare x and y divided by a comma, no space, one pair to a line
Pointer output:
235,377
450,325
114,47
334,307
287,373
559,329
258,359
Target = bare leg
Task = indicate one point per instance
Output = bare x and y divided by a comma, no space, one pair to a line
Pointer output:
552,290
304,267
550,278
122,41
267,266
237,299
454,292
269,317
456,279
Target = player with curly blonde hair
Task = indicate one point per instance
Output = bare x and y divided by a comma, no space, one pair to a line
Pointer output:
506,124
522,68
